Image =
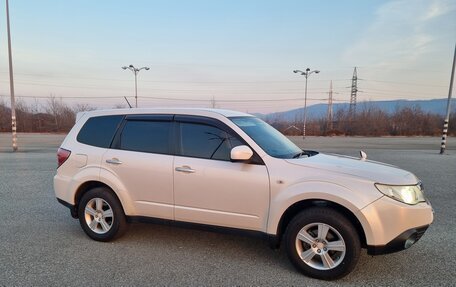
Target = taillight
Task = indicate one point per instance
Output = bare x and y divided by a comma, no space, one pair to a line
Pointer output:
62,156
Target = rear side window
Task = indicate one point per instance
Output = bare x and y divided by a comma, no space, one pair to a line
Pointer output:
203,141
99,131
146,136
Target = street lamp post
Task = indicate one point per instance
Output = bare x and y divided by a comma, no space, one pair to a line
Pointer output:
306,74
13,100
136,72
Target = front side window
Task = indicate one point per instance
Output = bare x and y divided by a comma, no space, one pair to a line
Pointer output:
268,138
146,136
204,141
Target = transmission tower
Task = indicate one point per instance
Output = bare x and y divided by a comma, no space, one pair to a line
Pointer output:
354,90
329,115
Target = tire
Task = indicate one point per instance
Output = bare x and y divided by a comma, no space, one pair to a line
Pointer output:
320,256
101,215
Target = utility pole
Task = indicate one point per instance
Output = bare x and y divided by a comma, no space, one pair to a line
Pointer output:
329,115
13,101
447,117
213,102
136,72
306,74
354,90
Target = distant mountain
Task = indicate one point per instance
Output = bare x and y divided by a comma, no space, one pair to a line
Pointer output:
436,106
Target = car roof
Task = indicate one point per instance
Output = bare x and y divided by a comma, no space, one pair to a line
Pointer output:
185,111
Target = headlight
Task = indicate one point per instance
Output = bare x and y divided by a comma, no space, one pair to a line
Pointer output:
410,194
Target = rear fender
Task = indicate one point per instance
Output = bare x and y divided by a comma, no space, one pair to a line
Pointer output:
119,189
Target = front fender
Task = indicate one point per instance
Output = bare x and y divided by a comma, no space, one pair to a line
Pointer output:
318,190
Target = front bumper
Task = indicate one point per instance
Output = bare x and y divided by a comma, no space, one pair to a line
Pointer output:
387,220
401,242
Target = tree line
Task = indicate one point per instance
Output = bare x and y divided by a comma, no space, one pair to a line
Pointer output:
371,121
55,116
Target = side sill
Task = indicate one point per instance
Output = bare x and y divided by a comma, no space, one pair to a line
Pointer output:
271,238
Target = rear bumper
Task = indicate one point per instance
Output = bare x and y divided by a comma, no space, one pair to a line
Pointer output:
62,188
401,242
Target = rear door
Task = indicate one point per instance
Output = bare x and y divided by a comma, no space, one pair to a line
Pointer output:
141,158
211,189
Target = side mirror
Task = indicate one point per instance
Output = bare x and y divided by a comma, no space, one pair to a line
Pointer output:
241,153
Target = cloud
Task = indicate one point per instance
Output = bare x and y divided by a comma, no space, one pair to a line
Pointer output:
438,8
399,34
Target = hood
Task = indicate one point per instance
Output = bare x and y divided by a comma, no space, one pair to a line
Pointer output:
365,169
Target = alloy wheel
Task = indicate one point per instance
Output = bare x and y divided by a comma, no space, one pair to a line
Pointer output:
99,215
320,246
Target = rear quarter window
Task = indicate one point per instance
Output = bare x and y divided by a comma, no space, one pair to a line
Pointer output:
99,131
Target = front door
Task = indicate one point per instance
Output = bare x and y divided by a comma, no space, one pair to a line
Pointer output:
209,188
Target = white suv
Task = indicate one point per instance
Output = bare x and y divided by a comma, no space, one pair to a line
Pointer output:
227,170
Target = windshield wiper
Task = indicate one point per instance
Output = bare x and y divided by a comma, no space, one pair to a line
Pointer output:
298,155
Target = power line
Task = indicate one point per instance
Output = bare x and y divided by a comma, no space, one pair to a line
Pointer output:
166,81
156,89
70,97
213,82
278,92
180,99
390,91
402,83
397,93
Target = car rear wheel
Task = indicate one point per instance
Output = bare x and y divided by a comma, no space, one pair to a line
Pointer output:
322,243
101,215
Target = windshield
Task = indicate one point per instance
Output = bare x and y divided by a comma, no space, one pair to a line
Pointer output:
268,138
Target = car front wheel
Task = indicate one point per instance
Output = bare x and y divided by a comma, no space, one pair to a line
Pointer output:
322,243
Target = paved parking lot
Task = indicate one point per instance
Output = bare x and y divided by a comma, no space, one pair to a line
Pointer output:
40,244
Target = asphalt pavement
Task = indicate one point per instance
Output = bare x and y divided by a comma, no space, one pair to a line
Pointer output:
41,245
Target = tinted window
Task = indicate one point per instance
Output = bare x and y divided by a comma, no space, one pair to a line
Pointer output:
99,131
146,136
203,141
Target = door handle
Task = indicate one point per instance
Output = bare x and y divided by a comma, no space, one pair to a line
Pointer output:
114,161
185,169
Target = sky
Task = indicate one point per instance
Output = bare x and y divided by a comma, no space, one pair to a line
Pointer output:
231,54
